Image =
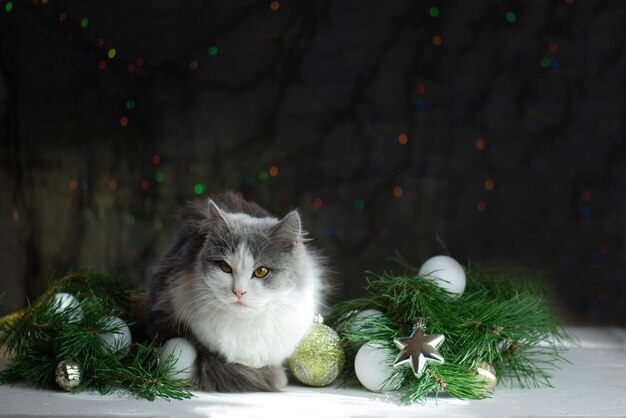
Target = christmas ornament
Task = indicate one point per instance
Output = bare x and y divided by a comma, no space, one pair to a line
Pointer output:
319,357
418,349
477,323
357,322
62,302
68,375
446,272
39,336
183,355
118,341
373,369
487,374
361,318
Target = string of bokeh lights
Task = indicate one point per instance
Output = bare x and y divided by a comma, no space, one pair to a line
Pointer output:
129,106
110,53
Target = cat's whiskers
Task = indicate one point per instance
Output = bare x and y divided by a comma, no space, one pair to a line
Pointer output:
262,246
193,307
230,231
230,245
230,313
220,251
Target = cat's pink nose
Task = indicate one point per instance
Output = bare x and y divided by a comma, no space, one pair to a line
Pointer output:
238,293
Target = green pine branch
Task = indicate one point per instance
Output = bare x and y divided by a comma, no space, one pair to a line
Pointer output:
503,318
39,337
141,374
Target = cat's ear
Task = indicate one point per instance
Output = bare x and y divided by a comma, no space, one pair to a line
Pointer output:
216,216
288,232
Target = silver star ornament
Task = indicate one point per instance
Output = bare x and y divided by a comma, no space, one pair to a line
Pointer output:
418,349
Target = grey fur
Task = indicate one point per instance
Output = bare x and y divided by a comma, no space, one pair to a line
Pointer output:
202,241
213,374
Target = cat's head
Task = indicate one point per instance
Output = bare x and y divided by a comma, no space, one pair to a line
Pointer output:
246,262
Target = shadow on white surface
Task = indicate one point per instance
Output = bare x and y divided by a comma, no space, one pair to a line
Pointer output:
594,384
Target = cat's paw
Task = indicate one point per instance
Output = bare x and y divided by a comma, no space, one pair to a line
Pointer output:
281,379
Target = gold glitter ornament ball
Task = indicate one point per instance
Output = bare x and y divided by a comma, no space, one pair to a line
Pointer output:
487,374
68,375
319,358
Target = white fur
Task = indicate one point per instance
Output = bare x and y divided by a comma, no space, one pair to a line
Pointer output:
242,218
262,331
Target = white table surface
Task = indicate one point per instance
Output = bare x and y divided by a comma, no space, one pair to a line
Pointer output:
593,385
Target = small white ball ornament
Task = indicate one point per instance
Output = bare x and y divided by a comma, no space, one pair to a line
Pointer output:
62,302
183,354
358,323
446,272
118,341
363,316
359,320
373,369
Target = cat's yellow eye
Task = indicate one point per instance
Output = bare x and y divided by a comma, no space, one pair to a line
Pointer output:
261,272
225,267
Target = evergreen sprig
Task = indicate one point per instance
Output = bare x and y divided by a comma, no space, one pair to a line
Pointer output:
45,333
503,318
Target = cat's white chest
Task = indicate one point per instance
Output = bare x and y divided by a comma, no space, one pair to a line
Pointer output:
261,329
259,340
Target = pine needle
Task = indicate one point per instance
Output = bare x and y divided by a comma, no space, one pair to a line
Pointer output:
503,318
44,334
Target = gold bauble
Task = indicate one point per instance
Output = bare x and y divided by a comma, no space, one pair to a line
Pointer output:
487,374
68,375
319,358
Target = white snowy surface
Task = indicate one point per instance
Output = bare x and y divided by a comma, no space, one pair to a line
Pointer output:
594,384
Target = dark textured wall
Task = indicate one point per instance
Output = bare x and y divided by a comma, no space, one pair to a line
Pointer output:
497,126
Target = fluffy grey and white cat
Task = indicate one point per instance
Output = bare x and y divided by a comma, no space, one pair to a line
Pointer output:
242,286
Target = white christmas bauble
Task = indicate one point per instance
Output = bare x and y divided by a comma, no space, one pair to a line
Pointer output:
183,354
373,369
357,322
118,341
446,272
366,314
64,301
